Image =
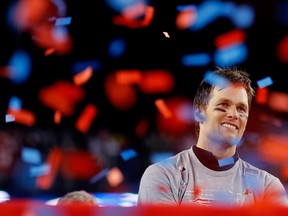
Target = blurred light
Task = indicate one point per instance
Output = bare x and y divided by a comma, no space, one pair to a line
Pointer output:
128,154
114,177
264,82
15,103
63,21
231,55
199,59
20,67
4,196
82,65
116,47
31,155
273,148
278,101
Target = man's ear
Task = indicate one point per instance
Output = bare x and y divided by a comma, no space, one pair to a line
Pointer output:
199,116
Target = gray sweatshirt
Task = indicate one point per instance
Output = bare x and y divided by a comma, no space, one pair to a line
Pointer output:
183,179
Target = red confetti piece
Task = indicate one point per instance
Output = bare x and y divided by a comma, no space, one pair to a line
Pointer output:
83,76
23,116
86,118
156,81
57,117
163,108
54,160
135,23
141,128
61,96
229,38
128,77
186,18
80,164
122,97
262,95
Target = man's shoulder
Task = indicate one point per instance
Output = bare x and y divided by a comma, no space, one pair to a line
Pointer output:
174,161
250,169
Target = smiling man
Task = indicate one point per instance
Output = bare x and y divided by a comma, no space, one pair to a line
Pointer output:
211,172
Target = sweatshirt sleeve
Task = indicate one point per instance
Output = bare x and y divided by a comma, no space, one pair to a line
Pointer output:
275,192
155,187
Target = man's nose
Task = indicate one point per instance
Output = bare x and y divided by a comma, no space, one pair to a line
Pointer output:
232,113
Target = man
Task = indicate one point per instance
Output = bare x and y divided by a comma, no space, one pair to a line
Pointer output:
211,172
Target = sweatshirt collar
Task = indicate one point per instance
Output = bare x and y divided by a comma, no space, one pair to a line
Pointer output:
210,161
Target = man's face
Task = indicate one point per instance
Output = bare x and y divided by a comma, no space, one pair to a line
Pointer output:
226,115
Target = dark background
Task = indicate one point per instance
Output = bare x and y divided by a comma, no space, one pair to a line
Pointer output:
113,129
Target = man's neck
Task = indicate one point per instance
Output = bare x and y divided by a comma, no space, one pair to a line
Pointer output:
219,151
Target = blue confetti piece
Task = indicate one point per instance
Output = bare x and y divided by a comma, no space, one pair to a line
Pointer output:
30,155
200,59
40,170
264,82
9,118
21,67
116,47
15,103
226,161
63,21
128,154
231,55
80,66
215,79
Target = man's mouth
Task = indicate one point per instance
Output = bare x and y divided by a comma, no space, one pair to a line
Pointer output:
234,127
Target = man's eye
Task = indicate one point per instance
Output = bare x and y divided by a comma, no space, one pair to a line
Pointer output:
242,110
224,105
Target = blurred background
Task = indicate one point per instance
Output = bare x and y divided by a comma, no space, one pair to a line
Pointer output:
92,92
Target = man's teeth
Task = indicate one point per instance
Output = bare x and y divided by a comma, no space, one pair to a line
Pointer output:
229,126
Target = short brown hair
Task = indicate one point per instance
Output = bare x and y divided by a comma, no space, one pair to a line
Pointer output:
77,197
